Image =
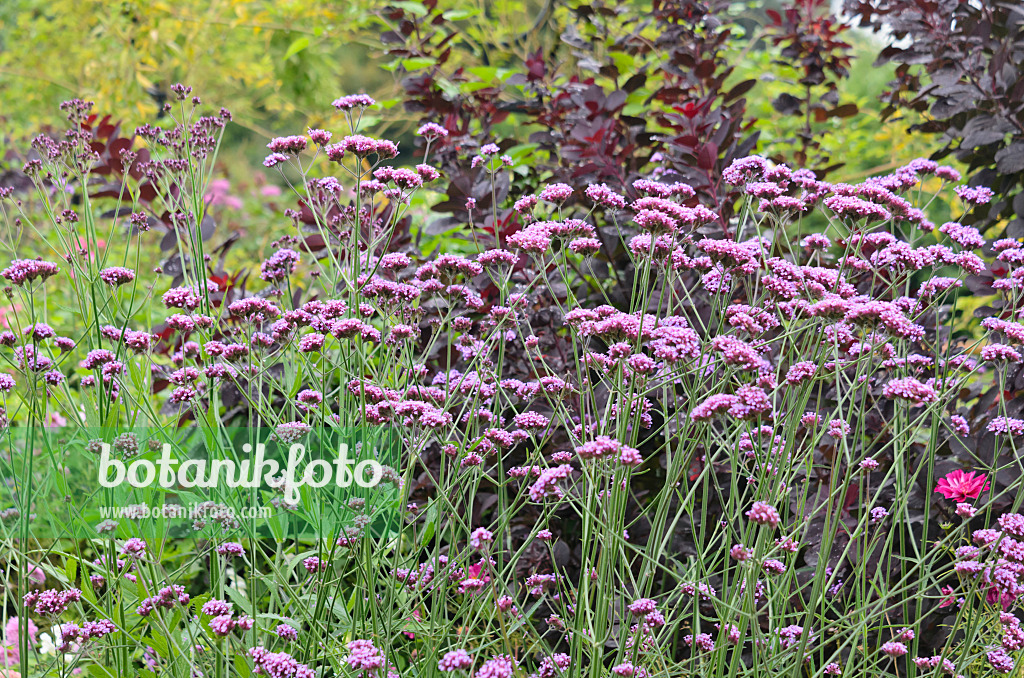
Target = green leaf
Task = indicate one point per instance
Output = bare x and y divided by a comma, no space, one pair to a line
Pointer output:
416,63
71,569
448,87
411,7
242,666
484,72
158,643
474,86
297,46
623,62
521,151
430,524
239,598
460,14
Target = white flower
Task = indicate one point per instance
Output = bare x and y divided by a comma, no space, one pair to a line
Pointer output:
46,644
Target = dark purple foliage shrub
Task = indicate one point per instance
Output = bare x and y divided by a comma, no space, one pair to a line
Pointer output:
960,63
577,98
812,44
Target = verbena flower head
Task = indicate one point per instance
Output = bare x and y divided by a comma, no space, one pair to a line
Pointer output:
292,145
279,266
231,549
974,195
1006,425
23,271
855,208
360,145
52,602
278,664
455,660
117,276
286,632
501,666
764,514
432,130
894,649
556,193
350,101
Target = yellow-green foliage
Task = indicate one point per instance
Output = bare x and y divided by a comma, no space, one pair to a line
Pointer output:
263,59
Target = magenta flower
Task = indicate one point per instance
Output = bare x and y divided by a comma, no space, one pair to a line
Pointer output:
287,632
292,145
974,195
350,101
455,661
432,130
961,486
117,276
764,514
894,649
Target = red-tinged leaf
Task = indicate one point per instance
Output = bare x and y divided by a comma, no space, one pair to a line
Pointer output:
535,66
775,17
705,68
163,332
696,466
852,494
708,156
314,243
220,280
143,158
686,141
739,90
119,146
844,111
147,192
111,190
169,241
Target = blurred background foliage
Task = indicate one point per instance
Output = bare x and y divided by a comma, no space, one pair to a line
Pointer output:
278,64
864,143
816,97
274,63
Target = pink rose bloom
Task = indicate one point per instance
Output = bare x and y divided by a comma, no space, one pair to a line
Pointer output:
962,486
